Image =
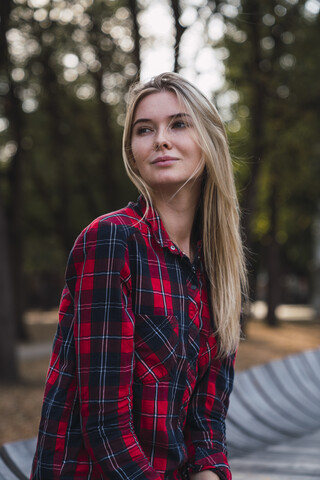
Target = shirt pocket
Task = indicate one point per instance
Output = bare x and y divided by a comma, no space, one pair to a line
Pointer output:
156,343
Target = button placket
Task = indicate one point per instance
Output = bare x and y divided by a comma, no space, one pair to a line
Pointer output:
193,309
193,283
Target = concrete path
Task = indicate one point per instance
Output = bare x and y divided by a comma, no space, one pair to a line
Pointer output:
34,351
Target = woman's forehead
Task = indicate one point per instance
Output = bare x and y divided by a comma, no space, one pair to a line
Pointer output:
159,104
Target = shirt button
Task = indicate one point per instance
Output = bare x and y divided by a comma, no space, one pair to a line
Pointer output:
172,247
193,287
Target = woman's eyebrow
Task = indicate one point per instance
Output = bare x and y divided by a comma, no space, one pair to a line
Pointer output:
141,120
175,115
180,115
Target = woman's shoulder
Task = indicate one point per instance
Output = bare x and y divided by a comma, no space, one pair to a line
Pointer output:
129,216
119,223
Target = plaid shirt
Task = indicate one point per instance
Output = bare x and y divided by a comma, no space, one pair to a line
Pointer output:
134,389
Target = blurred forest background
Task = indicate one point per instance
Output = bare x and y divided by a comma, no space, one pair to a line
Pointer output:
65,68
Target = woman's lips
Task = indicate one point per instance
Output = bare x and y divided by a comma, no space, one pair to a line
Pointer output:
165,159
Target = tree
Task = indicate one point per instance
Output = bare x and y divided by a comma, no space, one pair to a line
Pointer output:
8,361
180,29
63,75
11,107
273,127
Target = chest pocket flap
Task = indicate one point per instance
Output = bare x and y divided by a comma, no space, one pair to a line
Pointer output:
156,342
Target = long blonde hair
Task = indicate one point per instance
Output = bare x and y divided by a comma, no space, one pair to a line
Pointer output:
222,245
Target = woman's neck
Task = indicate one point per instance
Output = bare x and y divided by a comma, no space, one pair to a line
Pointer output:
177,214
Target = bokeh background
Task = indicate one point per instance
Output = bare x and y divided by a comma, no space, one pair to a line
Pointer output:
65,69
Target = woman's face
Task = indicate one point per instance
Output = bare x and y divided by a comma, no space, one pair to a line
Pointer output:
164,146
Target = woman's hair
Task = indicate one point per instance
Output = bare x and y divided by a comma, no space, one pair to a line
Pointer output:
222,245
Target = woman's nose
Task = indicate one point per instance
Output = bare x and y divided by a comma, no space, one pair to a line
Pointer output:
162,140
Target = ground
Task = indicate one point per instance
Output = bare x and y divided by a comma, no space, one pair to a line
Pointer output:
21,404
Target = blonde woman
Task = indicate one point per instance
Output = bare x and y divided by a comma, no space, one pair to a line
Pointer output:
142,364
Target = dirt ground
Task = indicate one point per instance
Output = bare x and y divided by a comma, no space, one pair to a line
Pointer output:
20,405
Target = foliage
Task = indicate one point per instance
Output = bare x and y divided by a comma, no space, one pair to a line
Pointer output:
273,48
69,67
63,88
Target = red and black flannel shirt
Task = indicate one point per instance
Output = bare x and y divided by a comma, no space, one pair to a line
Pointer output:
134,389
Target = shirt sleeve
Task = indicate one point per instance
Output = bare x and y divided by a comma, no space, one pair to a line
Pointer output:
97,276
205,427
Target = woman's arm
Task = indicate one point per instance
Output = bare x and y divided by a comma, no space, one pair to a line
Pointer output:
205,475
205,426
97,276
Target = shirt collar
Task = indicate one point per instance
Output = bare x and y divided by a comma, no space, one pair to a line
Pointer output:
153,220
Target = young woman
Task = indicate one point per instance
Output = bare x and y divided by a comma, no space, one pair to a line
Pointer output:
142,364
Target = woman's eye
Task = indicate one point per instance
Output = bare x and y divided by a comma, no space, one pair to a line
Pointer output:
179,124
143,130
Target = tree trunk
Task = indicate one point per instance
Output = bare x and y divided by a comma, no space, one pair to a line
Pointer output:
257,109
8,359
175,5
15,215
132,5
273,265
13,212
110,151
57,145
